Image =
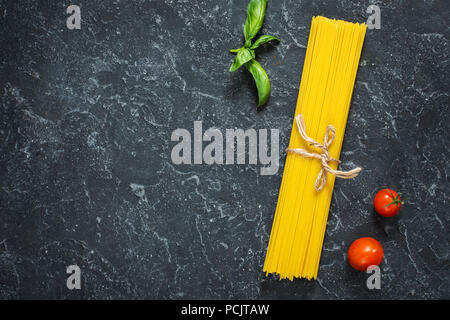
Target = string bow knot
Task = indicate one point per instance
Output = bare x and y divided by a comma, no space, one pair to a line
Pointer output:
324,157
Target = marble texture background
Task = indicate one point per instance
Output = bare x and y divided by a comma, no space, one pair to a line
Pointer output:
86,176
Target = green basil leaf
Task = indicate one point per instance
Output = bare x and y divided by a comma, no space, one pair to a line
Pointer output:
243,55
256,11
261,80
263,39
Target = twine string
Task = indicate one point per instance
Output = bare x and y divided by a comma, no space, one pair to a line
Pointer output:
324,156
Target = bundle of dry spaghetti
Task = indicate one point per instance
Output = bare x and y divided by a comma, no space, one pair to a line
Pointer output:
326,87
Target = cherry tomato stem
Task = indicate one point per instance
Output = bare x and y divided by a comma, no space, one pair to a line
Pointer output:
387,202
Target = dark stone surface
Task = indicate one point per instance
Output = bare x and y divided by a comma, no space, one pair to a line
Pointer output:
86,176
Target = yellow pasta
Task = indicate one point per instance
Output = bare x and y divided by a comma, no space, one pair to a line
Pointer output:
328,77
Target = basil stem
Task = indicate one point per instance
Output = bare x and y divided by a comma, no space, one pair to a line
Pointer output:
261,80
256,11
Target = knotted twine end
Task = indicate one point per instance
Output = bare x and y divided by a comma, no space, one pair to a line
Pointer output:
324,157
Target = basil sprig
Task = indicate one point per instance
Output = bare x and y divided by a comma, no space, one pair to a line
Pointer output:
245,55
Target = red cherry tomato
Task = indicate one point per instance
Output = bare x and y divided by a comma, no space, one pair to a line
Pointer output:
365,252
387,202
